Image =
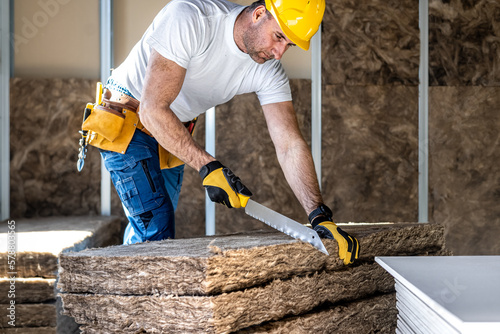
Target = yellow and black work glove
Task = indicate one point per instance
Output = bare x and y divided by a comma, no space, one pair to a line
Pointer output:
223,186
322,222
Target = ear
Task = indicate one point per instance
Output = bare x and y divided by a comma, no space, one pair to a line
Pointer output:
259,13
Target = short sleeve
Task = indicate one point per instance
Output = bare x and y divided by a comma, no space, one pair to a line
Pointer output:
176,32
275,85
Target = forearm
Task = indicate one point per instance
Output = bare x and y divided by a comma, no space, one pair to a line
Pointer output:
293,154
297,165
172,135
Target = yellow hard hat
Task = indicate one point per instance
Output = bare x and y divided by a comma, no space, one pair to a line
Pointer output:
299,19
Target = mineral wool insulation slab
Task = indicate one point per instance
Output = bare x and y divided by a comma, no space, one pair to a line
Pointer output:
211,265
39,241
31,330
226,312
28,290
31,315
375,314
446,294
280,276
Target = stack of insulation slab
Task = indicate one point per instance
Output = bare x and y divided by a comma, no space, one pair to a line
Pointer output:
443,294
250,283
28,299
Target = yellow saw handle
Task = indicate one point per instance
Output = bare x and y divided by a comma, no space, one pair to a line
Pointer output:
243,200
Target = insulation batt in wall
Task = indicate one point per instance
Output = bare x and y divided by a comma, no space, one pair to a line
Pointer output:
464,43
370,42
464,174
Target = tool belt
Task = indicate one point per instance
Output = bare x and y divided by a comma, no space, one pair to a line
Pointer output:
111,123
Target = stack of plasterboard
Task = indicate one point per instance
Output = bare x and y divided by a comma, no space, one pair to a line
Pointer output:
438,295
253,283
28,268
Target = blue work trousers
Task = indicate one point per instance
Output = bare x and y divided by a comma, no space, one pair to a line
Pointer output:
148,194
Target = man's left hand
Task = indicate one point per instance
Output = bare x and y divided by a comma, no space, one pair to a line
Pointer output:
323,224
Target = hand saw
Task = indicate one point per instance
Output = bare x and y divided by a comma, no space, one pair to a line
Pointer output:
284,224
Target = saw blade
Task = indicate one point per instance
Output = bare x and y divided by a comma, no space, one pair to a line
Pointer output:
284,224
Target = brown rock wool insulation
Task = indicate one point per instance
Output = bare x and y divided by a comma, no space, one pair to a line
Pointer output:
28,330
210,265
28,290
45,117
31,315
370,42
40,241
229,311
370,135
464,37
465,143
376,314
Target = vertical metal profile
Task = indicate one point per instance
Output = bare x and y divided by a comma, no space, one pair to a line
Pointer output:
106,60
316,102
5,69
210,148
423,112
11,37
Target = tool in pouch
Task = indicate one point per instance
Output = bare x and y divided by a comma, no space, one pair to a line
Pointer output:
284,224
82,154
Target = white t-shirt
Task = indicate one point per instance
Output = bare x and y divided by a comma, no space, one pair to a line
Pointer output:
198,35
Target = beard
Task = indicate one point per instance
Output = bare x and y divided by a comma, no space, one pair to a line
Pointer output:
252,39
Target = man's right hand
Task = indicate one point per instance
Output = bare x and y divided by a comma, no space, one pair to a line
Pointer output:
223,186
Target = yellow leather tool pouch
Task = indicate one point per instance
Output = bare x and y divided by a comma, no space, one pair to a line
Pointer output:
110,129
106,122
167,159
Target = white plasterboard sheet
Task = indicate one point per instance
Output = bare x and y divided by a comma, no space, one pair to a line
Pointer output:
403,328
427,320
464,290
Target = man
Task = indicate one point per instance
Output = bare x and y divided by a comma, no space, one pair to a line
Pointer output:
197,54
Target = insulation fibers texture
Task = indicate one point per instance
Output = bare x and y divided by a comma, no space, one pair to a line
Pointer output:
211,265
227,312
280,278
375,314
